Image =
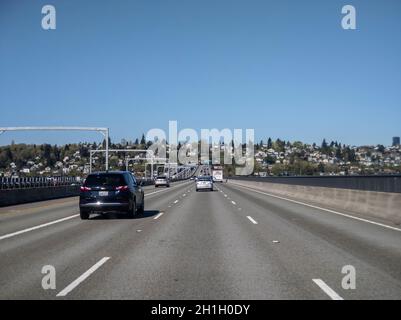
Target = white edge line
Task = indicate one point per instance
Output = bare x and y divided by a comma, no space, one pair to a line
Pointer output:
37,227
324,209
158,216
329,291
81,278
252,220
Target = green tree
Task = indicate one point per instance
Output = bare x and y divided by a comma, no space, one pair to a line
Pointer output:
269,143
143,141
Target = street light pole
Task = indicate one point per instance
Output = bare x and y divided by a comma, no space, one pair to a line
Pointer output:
107,150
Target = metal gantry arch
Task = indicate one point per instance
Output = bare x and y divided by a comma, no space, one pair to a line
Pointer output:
104,131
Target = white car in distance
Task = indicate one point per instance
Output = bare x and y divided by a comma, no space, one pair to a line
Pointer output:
204,183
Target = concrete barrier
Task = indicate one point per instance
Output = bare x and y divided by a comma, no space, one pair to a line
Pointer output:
18,196
380,183
381,205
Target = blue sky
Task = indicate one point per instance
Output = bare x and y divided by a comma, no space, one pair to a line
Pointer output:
284,68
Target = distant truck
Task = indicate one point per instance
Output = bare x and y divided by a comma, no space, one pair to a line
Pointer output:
217,173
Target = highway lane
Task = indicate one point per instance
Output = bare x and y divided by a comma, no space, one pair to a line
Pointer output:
68,245
228,244
24,216
318,243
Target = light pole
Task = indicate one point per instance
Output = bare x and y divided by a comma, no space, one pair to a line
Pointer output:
114,150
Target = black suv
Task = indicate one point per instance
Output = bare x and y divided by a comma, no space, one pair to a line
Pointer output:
104,192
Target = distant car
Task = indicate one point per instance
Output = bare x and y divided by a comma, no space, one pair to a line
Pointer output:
105,192
162,181
204,183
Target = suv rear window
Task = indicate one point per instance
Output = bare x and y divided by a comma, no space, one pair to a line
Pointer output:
100,180
204,178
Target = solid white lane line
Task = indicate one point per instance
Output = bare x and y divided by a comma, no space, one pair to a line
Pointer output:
158,216
324,209
37,227
85,275
233,202
329,291
252,220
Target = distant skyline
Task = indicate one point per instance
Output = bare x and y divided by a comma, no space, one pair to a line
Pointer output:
285,69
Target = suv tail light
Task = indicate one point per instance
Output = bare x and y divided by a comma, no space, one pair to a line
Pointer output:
122,188
85,189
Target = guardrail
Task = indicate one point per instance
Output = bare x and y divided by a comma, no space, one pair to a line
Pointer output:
36,182
382,183
23,190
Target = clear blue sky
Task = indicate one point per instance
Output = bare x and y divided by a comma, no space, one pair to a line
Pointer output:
285,68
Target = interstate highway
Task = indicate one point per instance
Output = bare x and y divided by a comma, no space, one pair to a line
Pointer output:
232,243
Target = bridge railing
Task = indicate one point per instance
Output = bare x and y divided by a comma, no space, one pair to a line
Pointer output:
7,183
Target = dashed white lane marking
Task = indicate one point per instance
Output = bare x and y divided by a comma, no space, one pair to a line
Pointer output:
233,202
38,227
252,220
329,291
85,275
176,201
158,216
324,209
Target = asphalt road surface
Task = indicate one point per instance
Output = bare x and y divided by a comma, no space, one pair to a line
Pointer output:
232,243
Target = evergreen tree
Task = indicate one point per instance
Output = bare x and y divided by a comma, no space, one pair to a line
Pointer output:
269,143
143,141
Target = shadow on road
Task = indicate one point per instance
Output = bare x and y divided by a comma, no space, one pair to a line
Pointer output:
118,215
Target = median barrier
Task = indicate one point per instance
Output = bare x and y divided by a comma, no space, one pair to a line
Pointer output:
19,196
